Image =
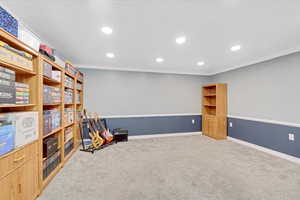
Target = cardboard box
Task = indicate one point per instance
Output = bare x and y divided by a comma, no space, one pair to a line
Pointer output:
26,128
8,22
7,133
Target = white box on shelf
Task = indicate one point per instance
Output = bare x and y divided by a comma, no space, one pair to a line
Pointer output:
29,38
26,128
56,75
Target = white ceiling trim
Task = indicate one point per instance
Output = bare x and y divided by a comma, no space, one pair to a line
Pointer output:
263,59
137,70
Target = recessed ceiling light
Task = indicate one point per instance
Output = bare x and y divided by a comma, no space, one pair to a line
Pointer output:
235,48
159,60
106,30
181,40
110,55
200,63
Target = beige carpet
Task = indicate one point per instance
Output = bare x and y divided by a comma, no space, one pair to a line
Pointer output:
176,168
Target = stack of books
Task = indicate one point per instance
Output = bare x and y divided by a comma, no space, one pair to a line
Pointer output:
22,93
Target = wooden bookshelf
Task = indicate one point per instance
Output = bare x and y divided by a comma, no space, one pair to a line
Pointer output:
79,109
27,168
57,132
33,163
214,111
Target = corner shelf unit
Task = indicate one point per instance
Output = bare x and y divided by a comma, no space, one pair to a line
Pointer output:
33,170
214,110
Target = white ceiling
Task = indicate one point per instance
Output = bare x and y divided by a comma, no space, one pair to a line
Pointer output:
146,29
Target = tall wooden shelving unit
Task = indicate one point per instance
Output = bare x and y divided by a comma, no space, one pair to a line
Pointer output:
66,125
79,108
21,164
58,131
30,166
214,110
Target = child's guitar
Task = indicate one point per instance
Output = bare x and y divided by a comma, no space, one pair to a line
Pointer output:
97,141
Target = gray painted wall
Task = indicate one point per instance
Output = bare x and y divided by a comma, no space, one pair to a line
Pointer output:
268,90
137,93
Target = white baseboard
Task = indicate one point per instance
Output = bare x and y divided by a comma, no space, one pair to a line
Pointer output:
266,150
163,135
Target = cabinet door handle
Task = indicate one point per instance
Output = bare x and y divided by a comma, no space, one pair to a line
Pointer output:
19,159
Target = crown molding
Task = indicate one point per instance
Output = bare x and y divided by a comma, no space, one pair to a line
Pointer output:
261,60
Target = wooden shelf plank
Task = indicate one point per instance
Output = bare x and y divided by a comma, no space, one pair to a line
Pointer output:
50,81
69,87
52,132
16,105
210,105
52,104
7,37
69,104
210,95
69,125
16,68
69,74
210,86
69,139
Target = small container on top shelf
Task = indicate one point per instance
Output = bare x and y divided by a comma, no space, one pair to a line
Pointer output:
8,22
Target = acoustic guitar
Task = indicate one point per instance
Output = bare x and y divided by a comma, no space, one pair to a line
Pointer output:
97,141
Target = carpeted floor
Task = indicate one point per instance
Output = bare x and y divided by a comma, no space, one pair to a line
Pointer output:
176,168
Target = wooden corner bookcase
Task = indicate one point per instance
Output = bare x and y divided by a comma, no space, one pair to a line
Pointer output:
21,170
214,110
